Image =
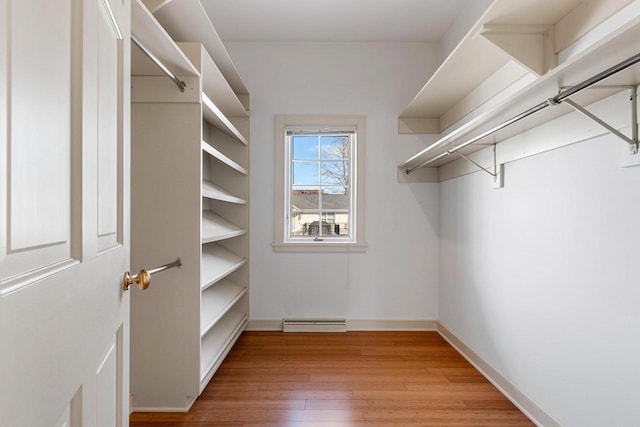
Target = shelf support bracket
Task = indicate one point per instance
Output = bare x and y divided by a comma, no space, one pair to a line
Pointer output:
633,141
529,45
493,174
497,173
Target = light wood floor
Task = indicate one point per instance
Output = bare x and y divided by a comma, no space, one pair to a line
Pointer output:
353,379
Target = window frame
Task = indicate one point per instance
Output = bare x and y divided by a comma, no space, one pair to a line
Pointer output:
282,242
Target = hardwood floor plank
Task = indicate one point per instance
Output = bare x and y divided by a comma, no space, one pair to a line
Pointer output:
422,377
248,377
446,417
277,394
427,394
238,386
236,404
368,384
434,361
353,379
416,405
335,424
465,371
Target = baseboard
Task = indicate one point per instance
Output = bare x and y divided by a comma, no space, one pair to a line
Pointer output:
356,325
391,325
264,325
190,401
534,412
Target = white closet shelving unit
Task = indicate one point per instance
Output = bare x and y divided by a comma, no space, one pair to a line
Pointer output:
508,63
190,189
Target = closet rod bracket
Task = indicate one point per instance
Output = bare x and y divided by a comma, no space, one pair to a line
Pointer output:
180,83
633,140
494,174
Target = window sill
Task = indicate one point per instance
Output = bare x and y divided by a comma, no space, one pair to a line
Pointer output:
319,247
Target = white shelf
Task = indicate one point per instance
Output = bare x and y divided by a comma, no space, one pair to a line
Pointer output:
216,87
215,228
617,45
216,301
217,343
224,159
151,34
213,82
217,263
475,59
213,115
208,321
187,21
212,191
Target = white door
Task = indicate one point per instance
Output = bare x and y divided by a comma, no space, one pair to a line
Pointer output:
64,212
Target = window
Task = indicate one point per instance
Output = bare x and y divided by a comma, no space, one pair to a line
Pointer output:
320,191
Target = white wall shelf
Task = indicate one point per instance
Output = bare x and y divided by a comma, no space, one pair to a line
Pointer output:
213,115
505,101
217,154
194,175
218,263
153,36
216,87
217,343
212,191
215,228
217,301
186,21
214,84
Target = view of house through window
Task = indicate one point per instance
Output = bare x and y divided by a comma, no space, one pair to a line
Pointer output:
320,187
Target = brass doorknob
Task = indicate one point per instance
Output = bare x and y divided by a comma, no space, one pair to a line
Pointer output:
142,279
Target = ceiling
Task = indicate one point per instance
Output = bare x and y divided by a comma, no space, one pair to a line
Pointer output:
333,20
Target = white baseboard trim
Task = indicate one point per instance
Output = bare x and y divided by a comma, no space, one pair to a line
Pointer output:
190,401
356,325
264,325
391,325
534,412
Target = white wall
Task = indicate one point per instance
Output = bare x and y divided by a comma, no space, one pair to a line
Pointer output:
396,279
541,278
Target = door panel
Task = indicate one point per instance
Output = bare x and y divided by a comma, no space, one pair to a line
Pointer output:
106,388
65,419
109,44
36,146
64,212
40,71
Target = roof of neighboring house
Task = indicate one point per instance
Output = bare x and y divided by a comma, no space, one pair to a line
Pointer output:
304,202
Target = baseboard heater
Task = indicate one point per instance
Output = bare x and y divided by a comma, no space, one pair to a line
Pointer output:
314,325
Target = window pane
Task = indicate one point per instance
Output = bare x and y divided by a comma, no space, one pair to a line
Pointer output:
304,147
305,173
334,199
335,147
305,200
302,224
335,173
335,224
328,216
304,211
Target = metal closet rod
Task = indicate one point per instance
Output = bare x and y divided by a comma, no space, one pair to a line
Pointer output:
181,85
564,94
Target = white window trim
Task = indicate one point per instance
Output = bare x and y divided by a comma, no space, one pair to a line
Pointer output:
281,244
